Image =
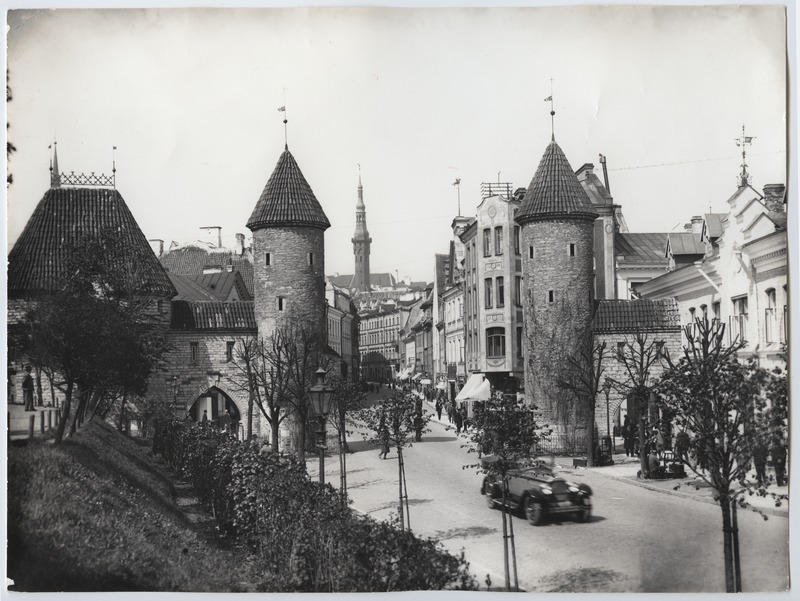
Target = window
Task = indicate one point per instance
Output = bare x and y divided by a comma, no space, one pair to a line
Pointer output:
516,240
530,252
194,351
519,341
267,259
487,288
571,249
518,291
738,321
501,293
487,242
498,240
311,259
704,312
770,318
551,296
229,350
281,303
495,342
716,309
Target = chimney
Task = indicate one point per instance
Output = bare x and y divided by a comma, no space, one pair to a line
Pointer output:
213,235
239,244
697,224
774,197
157,246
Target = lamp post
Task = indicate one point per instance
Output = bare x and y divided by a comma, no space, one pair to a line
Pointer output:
607,390
321,397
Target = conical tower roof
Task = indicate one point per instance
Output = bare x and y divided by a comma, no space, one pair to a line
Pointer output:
555,191
287,199
62,218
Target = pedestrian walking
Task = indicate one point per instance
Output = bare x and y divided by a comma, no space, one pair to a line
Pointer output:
459,421
628,437
27,389
205,417
418,420
760,453
778,453
439,408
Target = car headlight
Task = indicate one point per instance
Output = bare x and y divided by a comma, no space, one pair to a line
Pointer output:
572,486
547,490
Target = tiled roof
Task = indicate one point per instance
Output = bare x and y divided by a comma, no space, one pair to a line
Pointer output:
714,224
686,243
641,248
190,261
63,217
643,315
221,284
343,281
190,290
215,315
555,190
442,271
287,199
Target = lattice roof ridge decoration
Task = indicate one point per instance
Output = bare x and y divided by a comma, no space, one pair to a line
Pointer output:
287,200
555,191
82,179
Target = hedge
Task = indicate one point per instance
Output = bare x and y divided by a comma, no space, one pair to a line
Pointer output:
302,534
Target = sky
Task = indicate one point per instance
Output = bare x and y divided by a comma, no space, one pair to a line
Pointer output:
416,97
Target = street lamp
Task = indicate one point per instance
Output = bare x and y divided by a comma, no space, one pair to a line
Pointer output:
321,397
607,390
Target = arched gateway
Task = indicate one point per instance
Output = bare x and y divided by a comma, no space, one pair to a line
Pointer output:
214,403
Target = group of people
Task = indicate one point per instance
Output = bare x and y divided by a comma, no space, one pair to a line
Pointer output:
456,413
225,421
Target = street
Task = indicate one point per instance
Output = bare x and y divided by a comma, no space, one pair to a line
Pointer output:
638,540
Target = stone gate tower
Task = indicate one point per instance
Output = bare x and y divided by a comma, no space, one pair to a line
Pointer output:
557,234
361,242
288,226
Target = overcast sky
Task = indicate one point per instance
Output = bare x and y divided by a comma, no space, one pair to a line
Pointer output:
418,98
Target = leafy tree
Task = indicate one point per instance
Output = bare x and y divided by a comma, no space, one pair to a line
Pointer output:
97,331
509,433
716,402
394,421
582,376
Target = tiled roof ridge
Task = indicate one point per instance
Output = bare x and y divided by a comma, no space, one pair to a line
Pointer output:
287,199
554,191
213,315
66,215
647,315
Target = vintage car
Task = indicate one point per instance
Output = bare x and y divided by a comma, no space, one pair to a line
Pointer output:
540,494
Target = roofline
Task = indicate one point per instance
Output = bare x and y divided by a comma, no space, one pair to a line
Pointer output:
559,216
262,225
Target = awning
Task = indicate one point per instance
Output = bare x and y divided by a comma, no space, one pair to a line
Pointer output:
472,385
416,377
425,381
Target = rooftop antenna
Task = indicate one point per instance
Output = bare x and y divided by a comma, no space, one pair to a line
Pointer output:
457,184
552,113
744,141
285,121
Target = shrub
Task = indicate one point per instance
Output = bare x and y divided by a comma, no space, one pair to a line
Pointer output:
302,534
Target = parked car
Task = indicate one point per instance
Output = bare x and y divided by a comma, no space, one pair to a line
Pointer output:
539,493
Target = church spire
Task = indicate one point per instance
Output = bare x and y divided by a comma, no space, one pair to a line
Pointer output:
361,242
55,174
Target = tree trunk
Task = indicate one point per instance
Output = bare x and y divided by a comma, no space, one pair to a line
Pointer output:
64,413
250,416
505,541
300,436
342,418
513,544
400,486
84,396
275,429
727,544
122,412
642,451
590,442
39,395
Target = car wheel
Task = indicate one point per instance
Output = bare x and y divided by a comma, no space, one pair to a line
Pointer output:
534,512
585,515
487,490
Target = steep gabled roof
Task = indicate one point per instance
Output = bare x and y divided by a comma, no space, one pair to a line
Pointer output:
641,248
555,191
684,243
713,224
63,217
640,315
190,260
287,200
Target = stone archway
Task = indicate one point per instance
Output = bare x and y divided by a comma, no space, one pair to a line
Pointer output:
211,404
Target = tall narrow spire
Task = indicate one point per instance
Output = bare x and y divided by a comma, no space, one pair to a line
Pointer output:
55,174
744,141
361,243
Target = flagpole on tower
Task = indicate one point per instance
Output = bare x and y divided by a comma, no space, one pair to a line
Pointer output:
552,112
285,121
457,184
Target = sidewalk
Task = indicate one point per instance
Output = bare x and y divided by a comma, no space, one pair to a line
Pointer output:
691,487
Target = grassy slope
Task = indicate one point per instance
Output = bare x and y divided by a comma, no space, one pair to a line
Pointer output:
95,514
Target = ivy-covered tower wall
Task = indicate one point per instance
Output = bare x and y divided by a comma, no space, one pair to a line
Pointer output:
557,231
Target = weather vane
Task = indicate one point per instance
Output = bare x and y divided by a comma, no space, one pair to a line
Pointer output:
285,121
552,111
744,141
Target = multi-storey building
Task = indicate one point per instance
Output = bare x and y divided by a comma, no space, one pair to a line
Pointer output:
741,275
379,333
493,289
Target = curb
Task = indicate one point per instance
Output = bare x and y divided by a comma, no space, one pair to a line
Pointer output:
773,511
